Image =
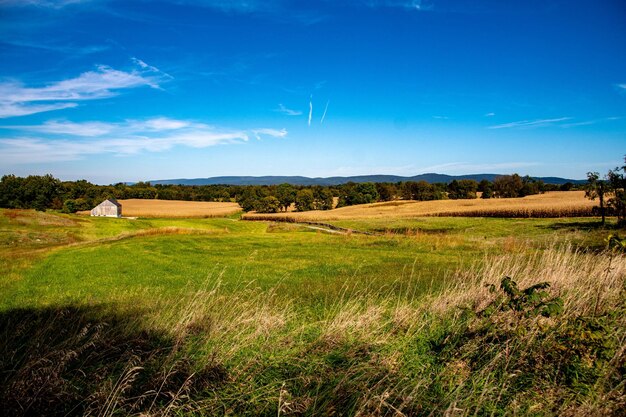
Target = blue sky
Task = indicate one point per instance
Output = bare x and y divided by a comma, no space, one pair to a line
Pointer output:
135,90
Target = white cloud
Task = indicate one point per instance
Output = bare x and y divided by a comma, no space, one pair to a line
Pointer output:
591,122
150,68
54,127
289,112
163,123
310,110
530,123
18,100
126,138
490,114
468,168
325,111
270,132
9,109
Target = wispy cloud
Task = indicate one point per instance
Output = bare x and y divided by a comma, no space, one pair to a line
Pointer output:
150,68
125,138
310,109
592,122
9,109
19,100
469,168
240,6
530,123
419,5
56,4
490,114
325,111
289,112
55,127
270,132
56,47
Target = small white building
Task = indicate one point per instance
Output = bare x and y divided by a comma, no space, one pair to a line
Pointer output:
108,208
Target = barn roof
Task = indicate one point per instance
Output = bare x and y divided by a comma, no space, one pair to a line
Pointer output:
112,201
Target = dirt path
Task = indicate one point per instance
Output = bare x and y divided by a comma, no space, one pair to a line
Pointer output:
323,229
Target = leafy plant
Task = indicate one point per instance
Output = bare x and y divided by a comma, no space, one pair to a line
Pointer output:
616,243
530,301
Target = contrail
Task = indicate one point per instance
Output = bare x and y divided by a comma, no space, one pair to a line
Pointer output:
310,109
325,110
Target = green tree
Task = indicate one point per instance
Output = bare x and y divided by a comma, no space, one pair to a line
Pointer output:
323,199
462,189
362,193
386,191
486,188
269,204
249,197
530,186
286,194
11,192
596,188
41,191
421,191
508,186
69,206
304,200
617,183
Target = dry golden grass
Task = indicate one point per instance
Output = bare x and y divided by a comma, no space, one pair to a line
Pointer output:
551,204
175,208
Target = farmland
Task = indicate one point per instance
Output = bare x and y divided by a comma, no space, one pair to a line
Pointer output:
550,204
165,316
171,208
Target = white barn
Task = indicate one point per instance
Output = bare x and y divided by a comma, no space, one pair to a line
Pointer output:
108,208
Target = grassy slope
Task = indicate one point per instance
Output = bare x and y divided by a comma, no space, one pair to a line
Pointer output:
298,262
261,319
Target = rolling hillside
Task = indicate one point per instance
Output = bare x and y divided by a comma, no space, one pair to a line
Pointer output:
298,180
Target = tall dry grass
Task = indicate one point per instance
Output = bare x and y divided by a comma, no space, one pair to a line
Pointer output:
245,351
373,337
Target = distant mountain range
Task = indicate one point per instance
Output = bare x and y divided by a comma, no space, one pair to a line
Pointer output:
296,180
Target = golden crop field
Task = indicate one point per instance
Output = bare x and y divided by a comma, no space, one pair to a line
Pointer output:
175,208
550,204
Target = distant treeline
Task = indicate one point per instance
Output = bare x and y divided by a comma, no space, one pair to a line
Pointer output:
47,192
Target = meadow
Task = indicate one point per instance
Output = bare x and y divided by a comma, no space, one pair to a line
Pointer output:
219,316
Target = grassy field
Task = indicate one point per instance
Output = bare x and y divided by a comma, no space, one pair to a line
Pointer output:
226,317
550,204
173,208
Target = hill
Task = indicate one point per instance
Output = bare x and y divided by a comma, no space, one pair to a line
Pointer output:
299,180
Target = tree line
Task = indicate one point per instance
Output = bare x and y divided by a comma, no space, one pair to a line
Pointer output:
610,192
47,192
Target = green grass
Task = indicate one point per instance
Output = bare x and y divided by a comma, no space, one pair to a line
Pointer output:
221,316
301,264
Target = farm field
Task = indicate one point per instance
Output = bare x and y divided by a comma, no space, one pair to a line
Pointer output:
174,208
220,316
550,204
